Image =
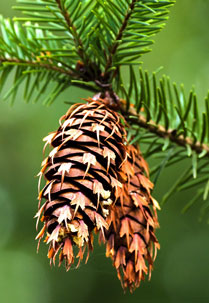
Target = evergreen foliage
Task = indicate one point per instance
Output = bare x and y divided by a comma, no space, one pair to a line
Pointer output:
85,43
173,130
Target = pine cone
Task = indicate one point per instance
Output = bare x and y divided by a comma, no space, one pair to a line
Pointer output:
82,173
130,239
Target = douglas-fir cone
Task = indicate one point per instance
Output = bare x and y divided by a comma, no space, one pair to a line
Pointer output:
82,173
96,182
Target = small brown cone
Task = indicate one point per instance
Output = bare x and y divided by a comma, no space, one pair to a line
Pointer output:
130,239
82,173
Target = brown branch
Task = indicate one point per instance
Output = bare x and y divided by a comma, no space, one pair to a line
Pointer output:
63,71
160,131
119,35
77,40
39,64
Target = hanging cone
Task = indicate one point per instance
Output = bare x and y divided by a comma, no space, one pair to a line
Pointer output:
82,173
130,239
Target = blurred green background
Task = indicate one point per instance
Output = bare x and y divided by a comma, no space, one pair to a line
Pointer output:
182,266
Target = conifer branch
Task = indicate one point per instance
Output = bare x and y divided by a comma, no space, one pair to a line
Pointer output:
164,110
168,125
73,29
119,36
169,134
38,64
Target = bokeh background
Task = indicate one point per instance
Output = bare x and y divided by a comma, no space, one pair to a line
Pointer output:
182,267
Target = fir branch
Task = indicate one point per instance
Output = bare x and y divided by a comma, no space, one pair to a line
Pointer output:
38,65
103,35
167,124
165,110
127,36
119,36
73,30
170,134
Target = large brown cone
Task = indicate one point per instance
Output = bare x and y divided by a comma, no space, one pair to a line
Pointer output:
82,173
130,239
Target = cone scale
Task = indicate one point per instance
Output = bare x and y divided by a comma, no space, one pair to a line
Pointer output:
82,175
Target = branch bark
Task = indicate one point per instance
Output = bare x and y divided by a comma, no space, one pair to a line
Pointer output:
160,131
